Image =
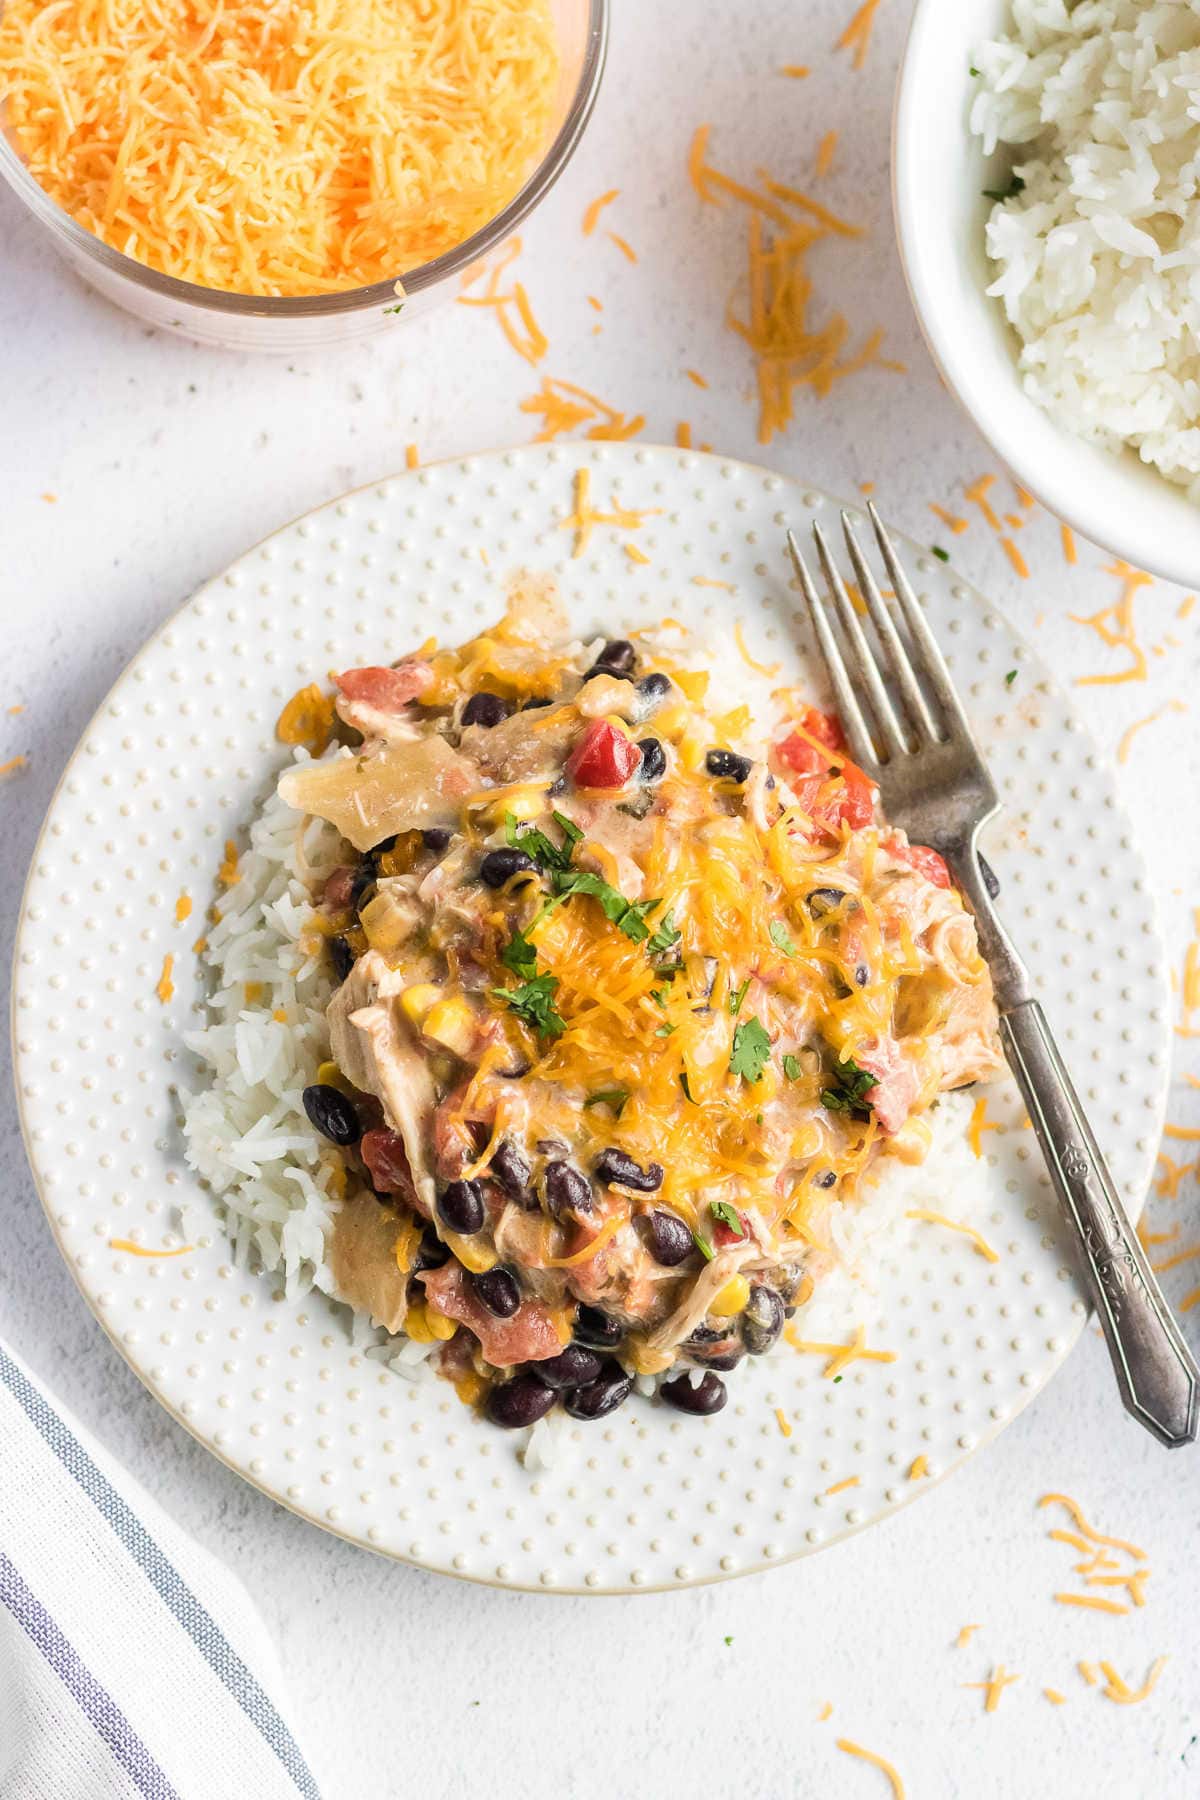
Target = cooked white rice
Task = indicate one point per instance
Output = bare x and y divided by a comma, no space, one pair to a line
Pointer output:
249,1139
1099,255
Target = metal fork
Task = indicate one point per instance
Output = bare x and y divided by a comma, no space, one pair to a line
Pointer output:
933,783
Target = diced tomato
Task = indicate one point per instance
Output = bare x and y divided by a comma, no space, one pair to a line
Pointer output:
339,886
895,1090
603,758
925,861
833,801
387,1163
528,1336
797,753
723,1235
388,690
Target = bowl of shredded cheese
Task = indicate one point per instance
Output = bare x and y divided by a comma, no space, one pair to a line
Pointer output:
274,178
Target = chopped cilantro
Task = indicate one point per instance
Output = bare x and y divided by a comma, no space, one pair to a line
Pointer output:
836,1379
628,916
728,1640
519,954
852,1085
942,555
791,1067
614,1097
570,830
1010,678
751,1048
399,308
780,939
736,996
666,1031
974,72
533,1002
703,1246
666,937
544,851
1016,186
727,1215
683,1082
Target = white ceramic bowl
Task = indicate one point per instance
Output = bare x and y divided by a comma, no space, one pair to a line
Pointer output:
938,175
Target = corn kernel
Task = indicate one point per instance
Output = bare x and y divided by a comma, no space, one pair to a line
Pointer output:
329,1075
692,753
911,1143
732,1297
407,1239
416,1324
471,1252
441,1327
453,1024
669,721
470,1388
419,1000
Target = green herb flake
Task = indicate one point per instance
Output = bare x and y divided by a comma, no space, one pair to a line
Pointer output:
533,1002
703,1246
728,1641
614,1097
1010,678
736,996
942,555
836,1379
665,938
728,1215
544,851
399,308
628,916
852,1086
791,1067
751,1048
1016,186
974,72
519,954
666,1031
780,939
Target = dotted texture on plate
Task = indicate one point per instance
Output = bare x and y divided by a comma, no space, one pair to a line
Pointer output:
175,762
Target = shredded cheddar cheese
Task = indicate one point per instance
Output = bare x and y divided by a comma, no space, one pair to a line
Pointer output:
635,555
857,35
965,1634
826,1712
878,1762
839,1487
276,150
796,71
825,153
562,407
183,908
165,990
11,766
781,1419
586,517
128,1246
412,459
592,214
840,1355
978,1124
512,308
993,1687
1089,1532
307,719
1091,1600
1117,1690
228,874
627,250
1114,626
918,1468
977,1238
1054,1697
977,494
760,668
1128,735
952,521
1068,544
1015,558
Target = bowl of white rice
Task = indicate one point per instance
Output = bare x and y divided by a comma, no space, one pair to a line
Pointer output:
1046,168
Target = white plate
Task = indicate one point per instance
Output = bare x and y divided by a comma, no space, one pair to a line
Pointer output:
173,764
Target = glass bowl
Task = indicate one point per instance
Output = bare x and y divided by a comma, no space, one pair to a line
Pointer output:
248,322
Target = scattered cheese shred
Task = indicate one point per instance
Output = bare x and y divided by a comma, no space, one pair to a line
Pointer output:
826,1711
977,1238
1148,1239
1091,1600
1128,735
993,1687
512,308
585,517
200,945
977,494
1180,1256
857,35
797,71
781,1419
1117,1690
635,555
412,458
696,376
14,710
1167,1184
966,1633
307,719
562,407
183,908
918,1468
274,150
50,499
132,1249
165,989
978,1124
597,206
1068,544
952,521
1089,1531
789,351
879,1762
627,250
1185,606
1114,626
11,766
760,668
1189,984
1089,1672
1188,1134
683,435
825,153
710,581
1054,1697
1015,558
839,1487
228,874
280,1015
840,1355
1024,497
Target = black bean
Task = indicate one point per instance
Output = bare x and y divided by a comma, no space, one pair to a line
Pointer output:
437,839
521,1401
596,1329
708,1396
363,883
991,880
461,1208
613,1165
762,1320
728,765
668,1238
510,1169
485,709
721,1349
603,669
431,1252
653,687
572,1367
341,956
823,900
617,657
654,760
567,1190
498,1290
499,865
826,1179
600,1397
862,975
332,1113
384,845
531,705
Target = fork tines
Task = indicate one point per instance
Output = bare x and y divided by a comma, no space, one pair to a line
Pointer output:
884,731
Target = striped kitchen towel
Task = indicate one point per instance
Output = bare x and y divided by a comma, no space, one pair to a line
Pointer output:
132,1664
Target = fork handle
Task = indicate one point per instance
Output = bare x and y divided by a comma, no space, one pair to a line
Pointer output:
1155,1372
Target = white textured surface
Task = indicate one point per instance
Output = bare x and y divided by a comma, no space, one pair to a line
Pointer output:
171,768
167,463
